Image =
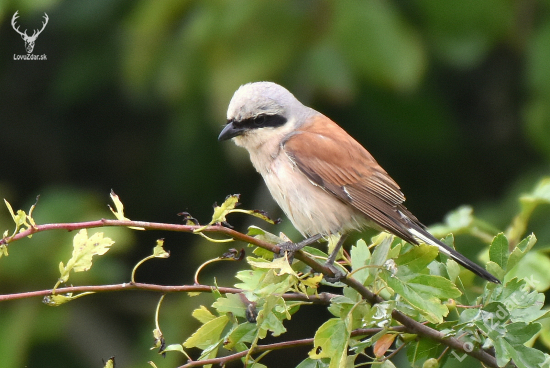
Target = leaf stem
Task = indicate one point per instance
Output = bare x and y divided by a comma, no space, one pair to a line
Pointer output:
158,311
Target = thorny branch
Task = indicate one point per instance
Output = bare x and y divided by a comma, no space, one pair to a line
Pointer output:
409,324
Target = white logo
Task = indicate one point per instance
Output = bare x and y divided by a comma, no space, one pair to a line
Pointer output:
29,40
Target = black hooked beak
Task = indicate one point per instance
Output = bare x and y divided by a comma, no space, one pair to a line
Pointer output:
230,131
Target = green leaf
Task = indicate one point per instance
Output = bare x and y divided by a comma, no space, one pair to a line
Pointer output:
429,306
230,303
21,218
221,211
516,298
315,252
264,235
453,269
10,209
330,341
431,363
356,312
84,249
263,253
3,250
272,322
268,317
534,266
422,350
119,213
244,333
518,333
492,322
523,356
527,357
521,250
380,254
432,285
158,339
110,363
495,270
340,306
498,251
545,332
253,364
251,279
312,281
55,300
360,257
418,258
314,363
175,347
203,314
280,264
502,352
379,314
261,234
532,312
158,250
275,284
395,247
208,334
259,214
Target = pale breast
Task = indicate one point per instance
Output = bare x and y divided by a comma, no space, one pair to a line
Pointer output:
311,209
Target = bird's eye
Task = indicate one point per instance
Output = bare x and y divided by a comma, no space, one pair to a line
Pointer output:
259,120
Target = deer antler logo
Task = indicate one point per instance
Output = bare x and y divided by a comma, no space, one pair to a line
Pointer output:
29,40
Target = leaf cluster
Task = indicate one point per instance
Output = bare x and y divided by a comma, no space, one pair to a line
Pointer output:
405,280
414,280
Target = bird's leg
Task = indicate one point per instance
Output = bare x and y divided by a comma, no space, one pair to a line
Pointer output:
292,248
330,260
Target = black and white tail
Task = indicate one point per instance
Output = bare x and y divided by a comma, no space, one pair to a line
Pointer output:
425,236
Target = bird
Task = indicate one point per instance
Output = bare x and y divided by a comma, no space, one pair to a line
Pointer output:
325,181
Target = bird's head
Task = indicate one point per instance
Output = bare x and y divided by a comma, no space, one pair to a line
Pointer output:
261,112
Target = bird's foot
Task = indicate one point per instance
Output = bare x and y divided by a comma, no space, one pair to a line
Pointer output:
338,274
290,248
287,248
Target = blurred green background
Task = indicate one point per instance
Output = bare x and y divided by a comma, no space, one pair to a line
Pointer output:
452,98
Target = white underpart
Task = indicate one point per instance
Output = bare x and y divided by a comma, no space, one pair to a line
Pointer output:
427,240
309,207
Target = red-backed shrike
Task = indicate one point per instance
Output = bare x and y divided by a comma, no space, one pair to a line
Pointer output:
323,179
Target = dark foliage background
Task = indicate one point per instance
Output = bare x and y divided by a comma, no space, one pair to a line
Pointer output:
451,98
